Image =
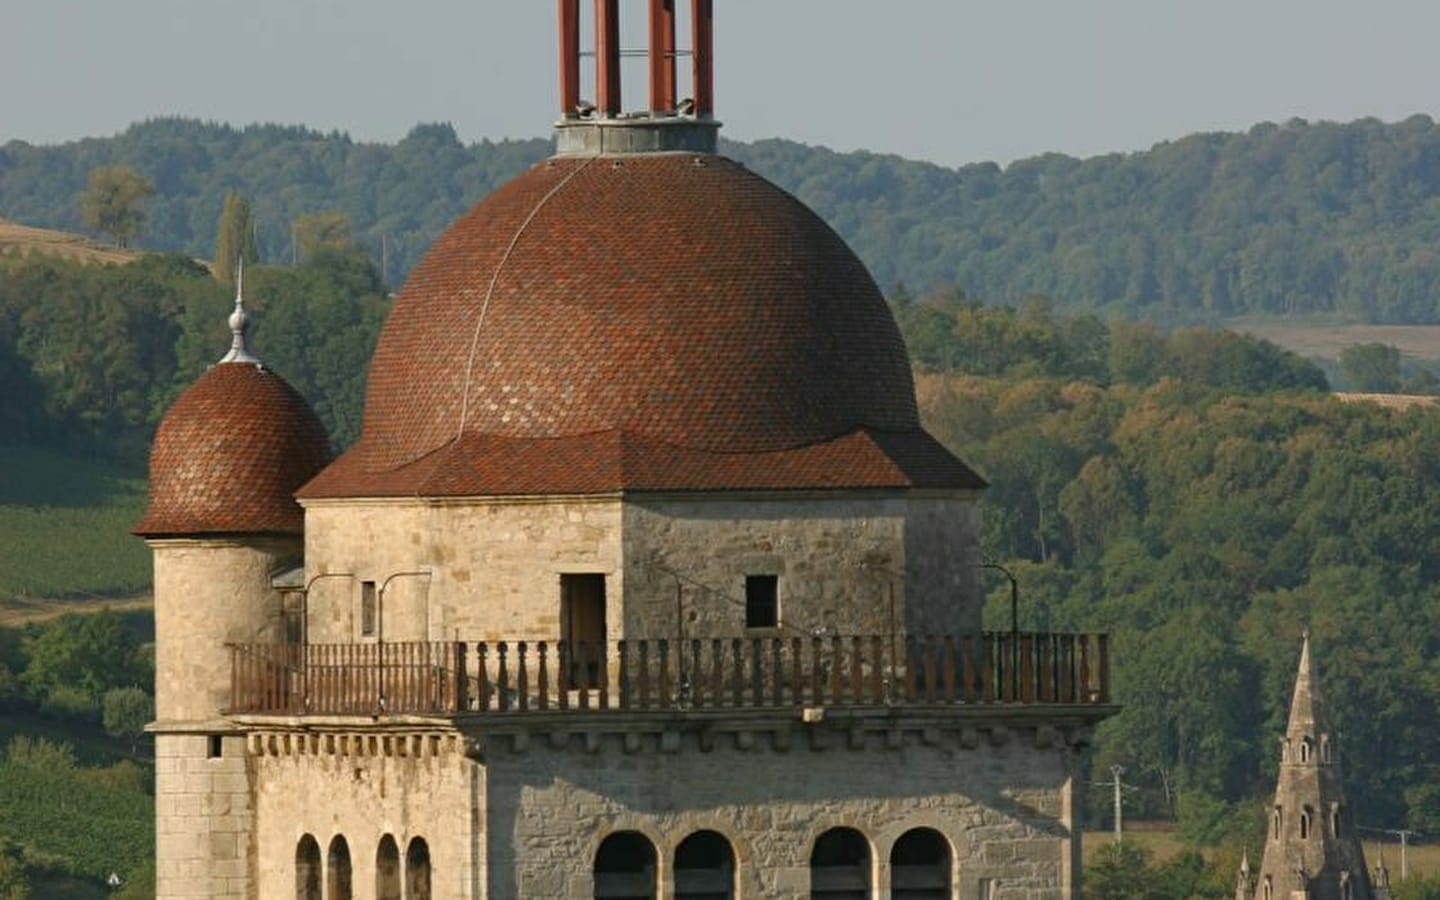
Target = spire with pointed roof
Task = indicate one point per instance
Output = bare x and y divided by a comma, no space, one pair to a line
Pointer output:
1312,850
1244,886
239,322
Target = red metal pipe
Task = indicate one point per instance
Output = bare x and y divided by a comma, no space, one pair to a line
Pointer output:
702,20
662,56
569,57
607,57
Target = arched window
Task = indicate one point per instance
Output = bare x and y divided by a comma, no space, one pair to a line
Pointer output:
1305,823
704,868
840,866
337,870
417,870
1305,750
387,870
920,866
1346,890
307,869
625,867
1334,820
1279,820
1269,889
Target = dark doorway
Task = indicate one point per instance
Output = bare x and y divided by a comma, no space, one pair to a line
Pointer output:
582,628
920,866
840,866
704,868
625,867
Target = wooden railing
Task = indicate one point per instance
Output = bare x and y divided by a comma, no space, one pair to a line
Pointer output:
700,674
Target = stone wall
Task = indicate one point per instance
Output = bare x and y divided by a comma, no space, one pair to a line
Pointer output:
493,566
207,593
851,562
204,817
361,786
847,563
1002,800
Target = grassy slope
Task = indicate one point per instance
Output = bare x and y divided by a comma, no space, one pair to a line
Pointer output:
17,238
64,528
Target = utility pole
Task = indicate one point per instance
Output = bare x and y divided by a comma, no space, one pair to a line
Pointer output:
1404,834
1118,785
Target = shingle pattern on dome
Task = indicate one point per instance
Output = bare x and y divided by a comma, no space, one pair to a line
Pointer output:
676,298
229,455
614,461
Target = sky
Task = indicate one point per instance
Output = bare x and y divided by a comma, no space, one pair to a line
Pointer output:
950,81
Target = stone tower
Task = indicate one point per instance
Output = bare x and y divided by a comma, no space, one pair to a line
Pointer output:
644,578
1312,849
221,520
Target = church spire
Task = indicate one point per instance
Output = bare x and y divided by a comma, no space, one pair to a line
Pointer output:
239,322
1306,713
1312,850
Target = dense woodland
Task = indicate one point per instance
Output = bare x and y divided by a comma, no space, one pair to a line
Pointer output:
1195,492
1317,218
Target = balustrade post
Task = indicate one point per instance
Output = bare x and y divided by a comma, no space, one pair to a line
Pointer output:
877,670
666,698
947,667
522,676
717,674
542,678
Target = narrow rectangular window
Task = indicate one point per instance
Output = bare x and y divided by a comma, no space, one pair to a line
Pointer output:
367,609
762,601
214,746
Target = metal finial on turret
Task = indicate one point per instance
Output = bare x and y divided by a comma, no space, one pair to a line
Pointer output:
239,322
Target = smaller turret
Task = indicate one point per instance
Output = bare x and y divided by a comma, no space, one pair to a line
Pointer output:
1244,884
222,519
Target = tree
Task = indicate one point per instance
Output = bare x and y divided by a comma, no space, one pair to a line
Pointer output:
1121,871
235,237
113,202
317,230
125,713
91,653
1372,367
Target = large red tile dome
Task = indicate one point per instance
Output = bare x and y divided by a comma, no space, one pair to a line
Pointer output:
671,307
230,453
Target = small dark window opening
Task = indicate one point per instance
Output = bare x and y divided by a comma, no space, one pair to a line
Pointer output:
1305,824
214,746
307,869
762,601
367,609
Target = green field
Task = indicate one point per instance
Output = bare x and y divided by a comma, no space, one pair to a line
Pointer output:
64,528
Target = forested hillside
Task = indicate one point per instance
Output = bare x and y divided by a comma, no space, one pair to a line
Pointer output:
1315,218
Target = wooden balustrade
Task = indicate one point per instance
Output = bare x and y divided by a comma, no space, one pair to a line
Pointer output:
519,677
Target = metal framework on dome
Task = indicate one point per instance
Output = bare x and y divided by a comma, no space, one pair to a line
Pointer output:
239,323
670,123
